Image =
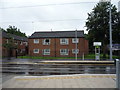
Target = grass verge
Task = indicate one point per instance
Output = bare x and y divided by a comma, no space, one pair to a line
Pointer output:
89,56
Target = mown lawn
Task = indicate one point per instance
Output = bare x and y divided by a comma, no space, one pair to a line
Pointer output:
89,56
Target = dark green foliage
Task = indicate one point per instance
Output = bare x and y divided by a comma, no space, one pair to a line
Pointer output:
98,25
10,46
14,30
1,29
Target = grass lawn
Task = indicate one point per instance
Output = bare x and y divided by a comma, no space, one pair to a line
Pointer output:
89,56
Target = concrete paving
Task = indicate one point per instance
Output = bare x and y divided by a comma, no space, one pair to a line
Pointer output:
62,81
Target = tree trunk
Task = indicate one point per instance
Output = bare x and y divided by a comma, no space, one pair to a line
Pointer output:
104,52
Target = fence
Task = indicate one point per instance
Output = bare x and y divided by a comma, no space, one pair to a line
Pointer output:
118,73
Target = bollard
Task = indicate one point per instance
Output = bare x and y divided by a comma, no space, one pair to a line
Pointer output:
118,74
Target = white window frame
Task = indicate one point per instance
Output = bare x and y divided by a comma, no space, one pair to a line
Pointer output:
64,51
16,42
64,41
26,43
22,50
74,51
75,40
7,41
46,43
36,41
46,51
21,43
34,51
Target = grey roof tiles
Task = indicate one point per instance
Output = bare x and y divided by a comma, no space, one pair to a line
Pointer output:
57,34
8,35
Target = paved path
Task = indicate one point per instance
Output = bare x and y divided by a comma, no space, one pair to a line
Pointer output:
63,81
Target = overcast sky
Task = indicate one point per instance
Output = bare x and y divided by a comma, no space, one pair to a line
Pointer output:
43,15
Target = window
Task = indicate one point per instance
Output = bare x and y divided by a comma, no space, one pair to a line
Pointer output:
64,41
25,43
36,41
74,51
64,51
46,42
21,43
36,50
7,41
75,40
22,50
46,51
16,42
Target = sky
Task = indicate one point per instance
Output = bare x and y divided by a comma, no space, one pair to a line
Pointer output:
46,15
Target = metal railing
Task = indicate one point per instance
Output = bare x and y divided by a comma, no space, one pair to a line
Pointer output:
118,74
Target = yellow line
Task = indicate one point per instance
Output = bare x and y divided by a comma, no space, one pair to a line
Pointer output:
67,77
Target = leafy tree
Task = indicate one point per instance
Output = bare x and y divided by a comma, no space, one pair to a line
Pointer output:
98,25
1,29
10,46
15,31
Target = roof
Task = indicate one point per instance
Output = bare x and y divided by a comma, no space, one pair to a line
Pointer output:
57,34
8,35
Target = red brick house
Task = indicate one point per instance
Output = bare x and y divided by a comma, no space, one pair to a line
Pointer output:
20,42
58,44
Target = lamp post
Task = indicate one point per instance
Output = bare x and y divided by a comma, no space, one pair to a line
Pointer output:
110,26
76,44
110,30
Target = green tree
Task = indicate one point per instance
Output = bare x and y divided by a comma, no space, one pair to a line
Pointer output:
10,46
2,30
15,31
98,25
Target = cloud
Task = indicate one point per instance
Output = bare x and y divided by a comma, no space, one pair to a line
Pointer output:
46,16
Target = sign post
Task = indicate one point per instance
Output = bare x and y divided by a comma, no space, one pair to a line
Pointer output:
118,74
97,50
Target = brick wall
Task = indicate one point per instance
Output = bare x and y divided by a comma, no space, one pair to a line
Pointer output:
55,47
13,52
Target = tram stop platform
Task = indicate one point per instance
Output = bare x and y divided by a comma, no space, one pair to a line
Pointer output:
62,81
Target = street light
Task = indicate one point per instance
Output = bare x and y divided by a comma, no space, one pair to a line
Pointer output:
110,30
76,44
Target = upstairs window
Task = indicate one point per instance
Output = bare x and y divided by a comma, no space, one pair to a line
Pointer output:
25,43
64,51
36,41
16,42
75,51
21,43
75,40
36,50
46,42
64,41
7,40
46,51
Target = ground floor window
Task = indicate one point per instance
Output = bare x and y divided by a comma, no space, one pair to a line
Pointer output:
36,51
64,51
75,51
22,50
46,51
